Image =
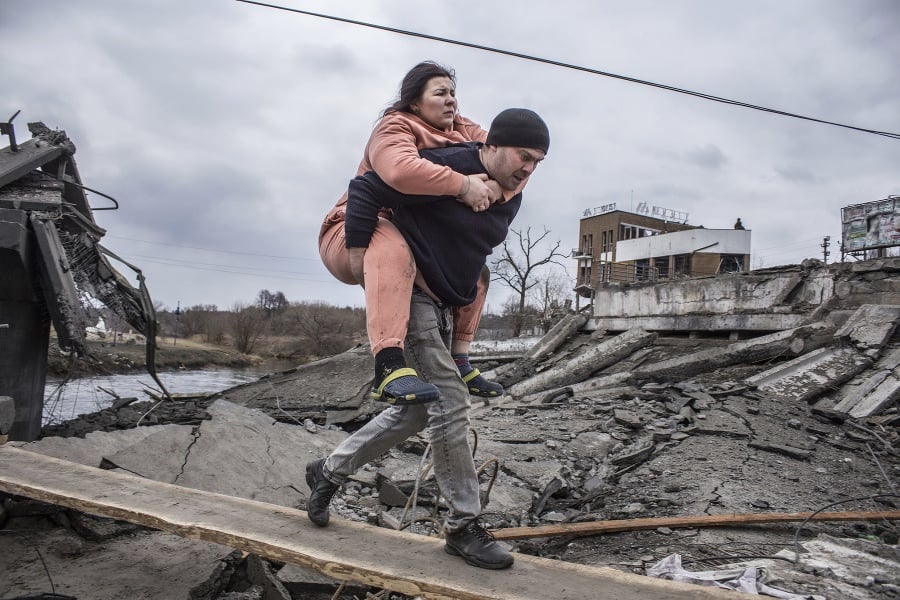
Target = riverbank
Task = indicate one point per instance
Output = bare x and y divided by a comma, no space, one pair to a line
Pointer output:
104,358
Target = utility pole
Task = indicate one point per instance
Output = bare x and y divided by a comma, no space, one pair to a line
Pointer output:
826,241
177,313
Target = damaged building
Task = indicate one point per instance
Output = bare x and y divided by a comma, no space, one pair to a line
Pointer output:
652,244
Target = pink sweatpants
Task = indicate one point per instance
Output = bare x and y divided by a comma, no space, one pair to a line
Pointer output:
389,273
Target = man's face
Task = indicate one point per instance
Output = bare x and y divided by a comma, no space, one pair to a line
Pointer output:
510,166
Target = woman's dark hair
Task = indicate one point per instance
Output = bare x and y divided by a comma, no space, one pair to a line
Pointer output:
414,84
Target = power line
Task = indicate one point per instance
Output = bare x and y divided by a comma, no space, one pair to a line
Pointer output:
556,63
117,237
805,242
278,274
178,261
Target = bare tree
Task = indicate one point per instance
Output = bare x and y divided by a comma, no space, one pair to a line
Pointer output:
216,326
322,329
247,326
193,320
518,267
271,302
549,297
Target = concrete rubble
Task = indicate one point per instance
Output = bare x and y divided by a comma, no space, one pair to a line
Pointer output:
597,426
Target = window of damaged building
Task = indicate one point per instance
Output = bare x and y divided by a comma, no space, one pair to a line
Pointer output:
683,264
731,263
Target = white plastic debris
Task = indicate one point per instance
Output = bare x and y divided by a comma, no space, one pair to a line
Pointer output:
750,580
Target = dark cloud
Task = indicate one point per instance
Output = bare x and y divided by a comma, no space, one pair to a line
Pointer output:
707,157
800,175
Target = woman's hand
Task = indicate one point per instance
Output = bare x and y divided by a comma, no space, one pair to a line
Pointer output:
476,193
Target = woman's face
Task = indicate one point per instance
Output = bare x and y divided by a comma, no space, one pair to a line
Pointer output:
437,104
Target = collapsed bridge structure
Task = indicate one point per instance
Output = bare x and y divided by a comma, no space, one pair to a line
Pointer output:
54,270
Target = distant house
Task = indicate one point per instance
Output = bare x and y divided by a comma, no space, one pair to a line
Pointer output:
655,244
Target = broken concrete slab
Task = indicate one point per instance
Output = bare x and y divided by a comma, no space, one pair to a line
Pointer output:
160,456
524,367
791,342
508,496
809,376
744,296
265,460
488,449
594,444
784,450
99,529
870,327
633,455
261,573
239,452
853,565
601,382
720,422
289,395
105,570
537,474
303,580
527,435
91,449
585,363
884,395
872,391
400,467
872,281
628,418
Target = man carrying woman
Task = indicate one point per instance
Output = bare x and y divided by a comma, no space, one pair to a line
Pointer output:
449,244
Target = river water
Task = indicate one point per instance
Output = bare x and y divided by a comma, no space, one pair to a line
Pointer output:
82,396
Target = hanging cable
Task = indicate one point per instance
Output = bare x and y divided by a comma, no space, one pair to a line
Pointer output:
557,63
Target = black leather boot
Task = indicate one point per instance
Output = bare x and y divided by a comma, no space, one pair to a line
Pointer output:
321,491
477,546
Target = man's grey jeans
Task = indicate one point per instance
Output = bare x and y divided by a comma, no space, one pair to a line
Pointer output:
447,419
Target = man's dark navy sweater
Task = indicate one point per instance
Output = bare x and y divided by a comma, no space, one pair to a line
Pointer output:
449,241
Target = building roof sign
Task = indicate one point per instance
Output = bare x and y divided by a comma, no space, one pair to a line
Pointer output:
599,210
657,212
668,214
662,213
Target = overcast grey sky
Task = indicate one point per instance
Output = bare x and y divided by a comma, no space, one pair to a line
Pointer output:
226,130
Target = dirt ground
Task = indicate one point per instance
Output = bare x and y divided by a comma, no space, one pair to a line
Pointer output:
60,562
105,358
612,455
714,472
627,453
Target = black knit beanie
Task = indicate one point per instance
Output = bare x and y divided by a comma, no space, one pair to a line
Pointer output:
519,127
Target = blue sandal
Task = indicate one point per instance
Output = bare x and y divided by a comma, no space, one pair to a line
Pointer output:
479,386
403,387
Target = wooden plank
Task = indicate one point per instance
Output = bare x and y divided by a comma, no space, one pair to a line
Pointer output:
727,520
399,561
